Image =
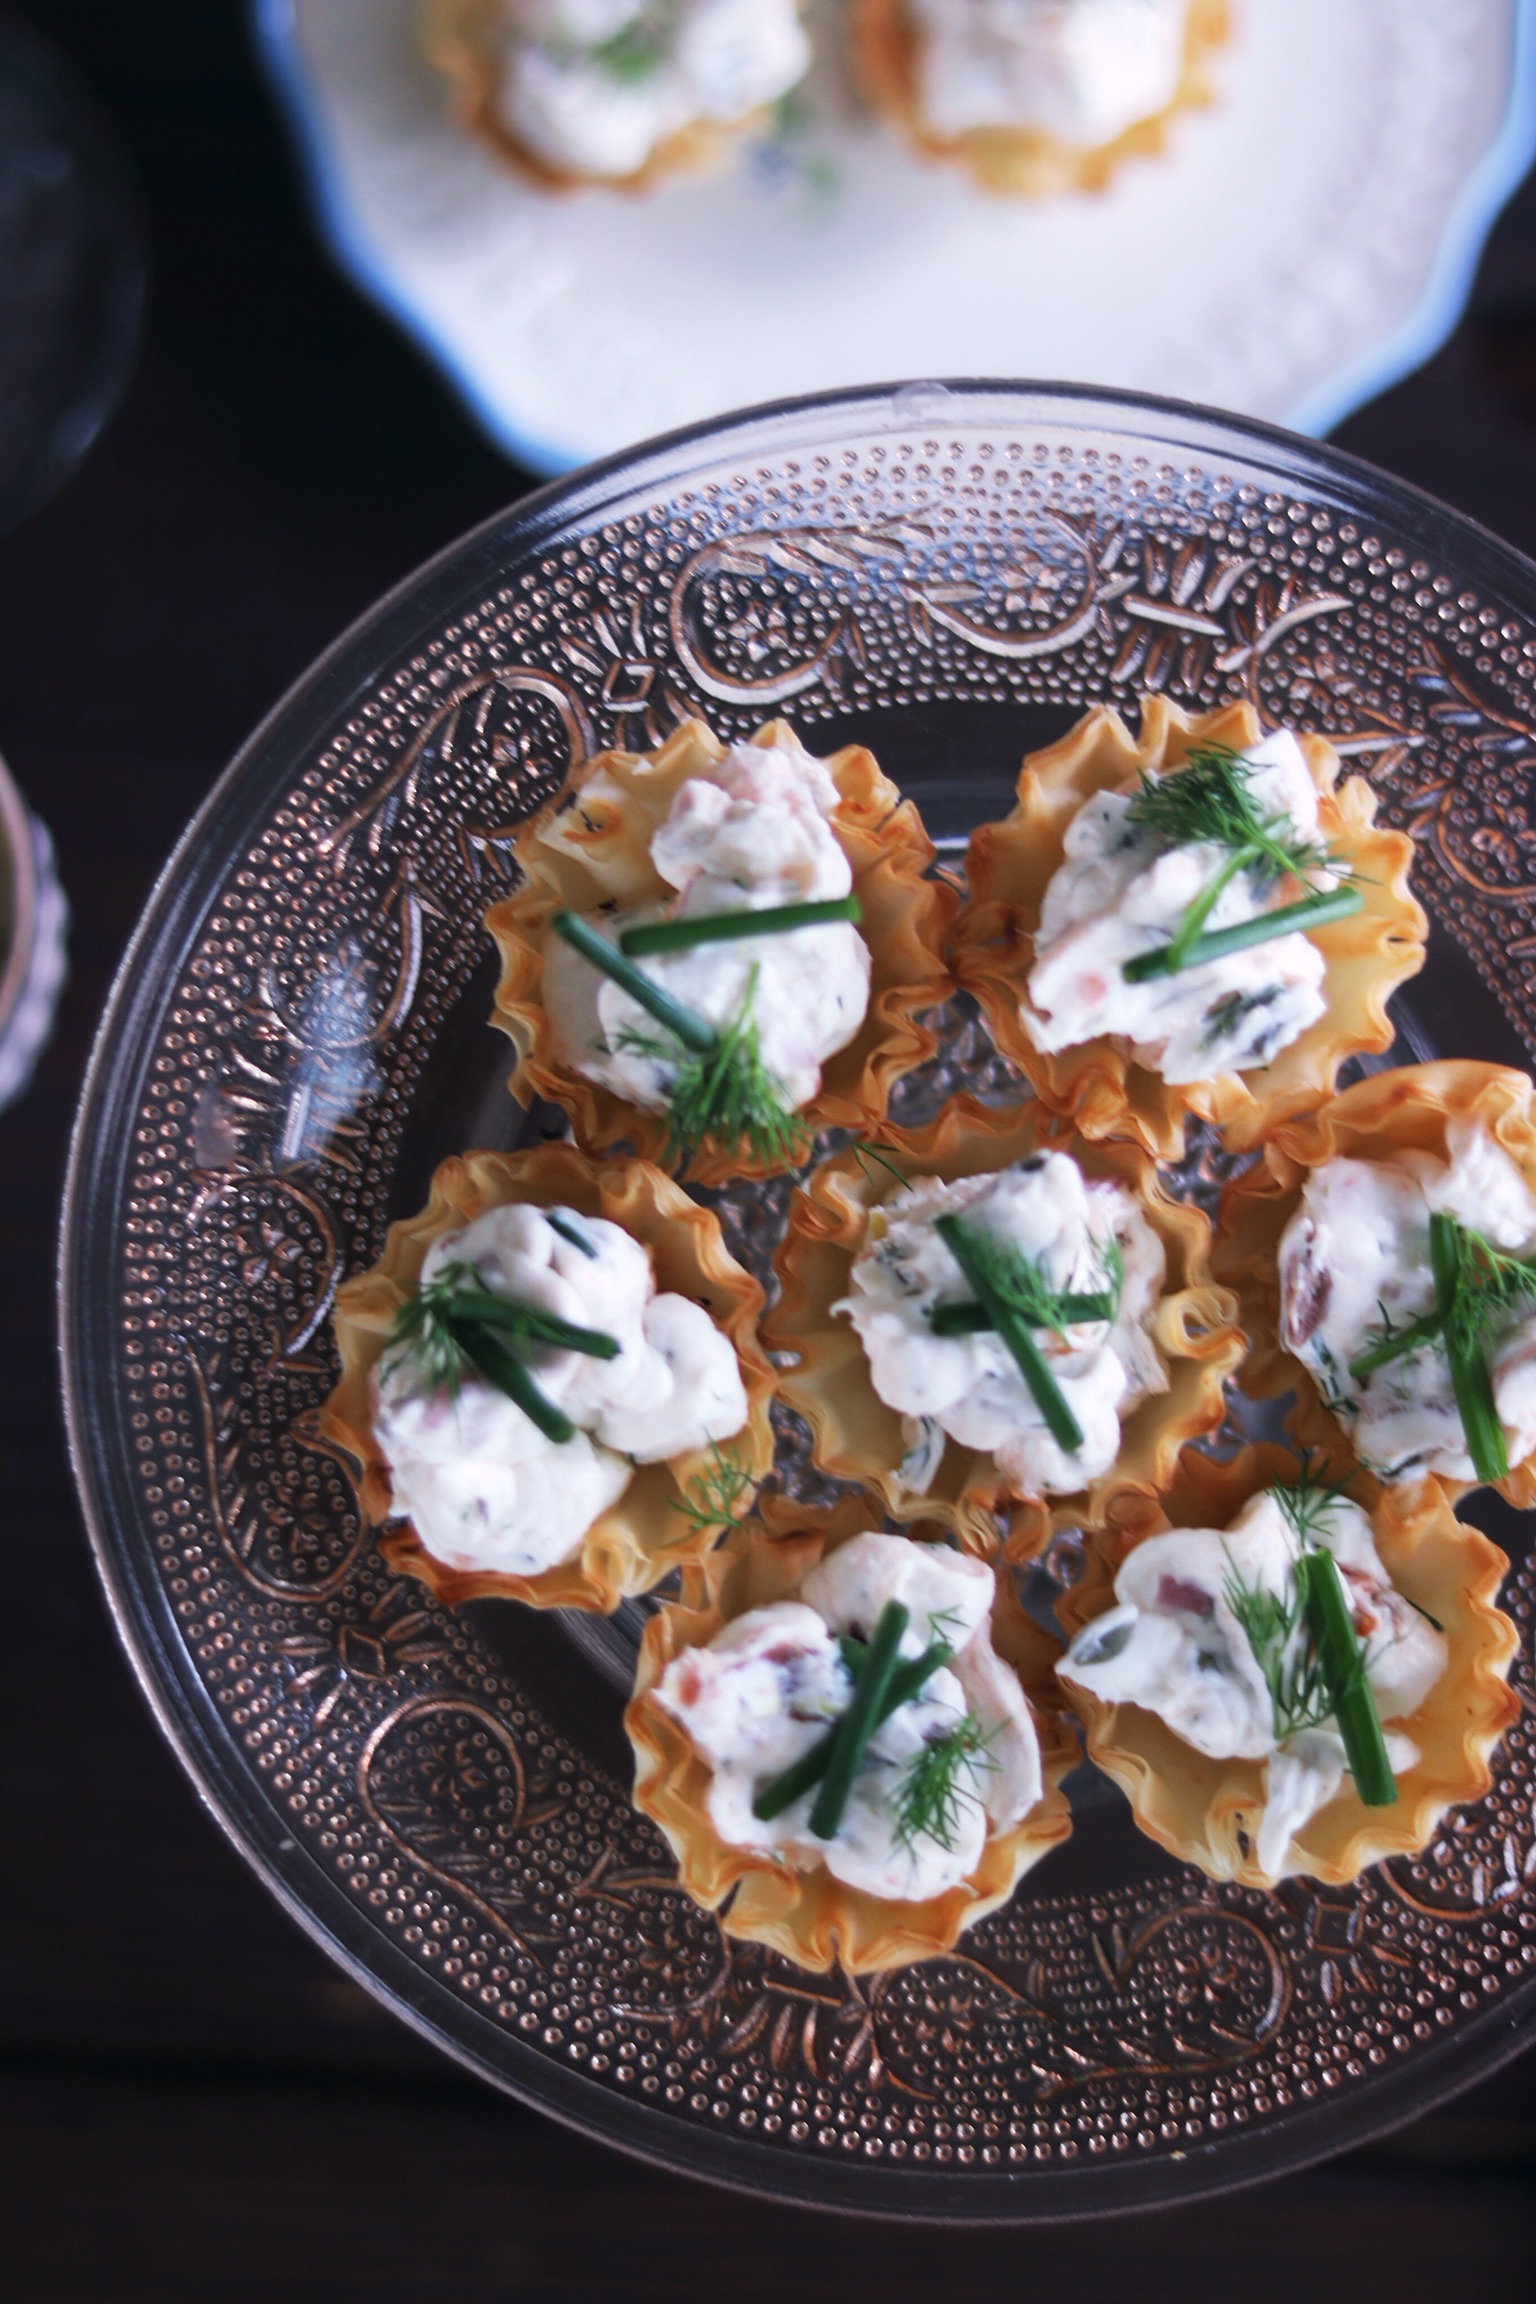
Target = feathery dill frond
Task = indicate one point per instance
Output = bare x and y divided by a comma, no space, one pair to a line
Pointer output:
717,1496
725,1096
938,1783
1209,800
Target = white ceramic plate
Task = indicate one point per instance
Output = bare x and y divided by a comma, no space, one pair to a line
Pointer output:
1301,244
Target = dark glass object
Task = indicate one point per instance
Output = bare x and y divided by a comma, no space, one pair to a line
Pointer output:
71,274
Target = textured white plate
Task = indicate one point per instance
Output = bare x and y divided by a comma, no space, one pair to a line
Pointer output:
1301,244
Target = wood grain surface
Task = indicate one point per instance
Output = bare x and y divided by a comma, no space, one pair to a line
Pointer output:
193,2104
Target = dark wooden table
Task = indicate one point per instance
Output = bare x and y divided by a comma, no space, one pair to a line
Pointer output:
193,2103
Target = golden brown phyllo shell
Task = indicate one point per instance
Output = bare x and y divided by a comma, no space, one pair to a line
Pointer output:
1026,162
1403,1110
810,1917
857,1437
1099,1083
465,39
1206,1811
586,857
639,1539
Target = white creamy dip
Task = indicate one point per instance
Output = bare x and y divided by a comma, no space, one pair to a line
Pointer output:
1080,70
752,833
480,1483
1173,1645
593,86
971,1386
770,1686
1356,1254
1121,892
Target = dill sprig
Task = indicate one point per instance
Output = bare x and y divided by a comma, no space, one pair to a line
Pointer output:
864,1153
1209,802
635,53
938,1783
456,1324
716,1496
1477,1287
727,1096
720,1090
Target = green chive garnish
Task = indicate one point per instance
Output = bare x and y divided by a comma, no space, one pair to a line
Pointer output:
973,1319
568,1231
681,1022
1048,1396
503,1369
906,1682
728,927
1343,1664
1311,912
857,1724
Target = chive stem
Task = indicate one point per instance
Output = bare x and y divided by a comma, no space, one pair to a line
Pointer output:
1204,905
503,1369
857,1724
1341,1657
1217,943
1048,1396
569,1231
962,1319
907,1681
530,1323
681,1022
726,927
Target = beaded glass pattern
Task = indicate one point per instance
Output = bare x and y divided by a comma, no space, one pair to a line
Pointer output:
299,1033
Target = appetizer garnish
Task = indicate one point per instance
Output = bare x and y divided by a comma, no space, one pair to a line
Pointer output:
839,1735
1301,1688
719,951
1197,922
1036,96
1407,1270
1012,1311
526,1392
1028,1318
617,92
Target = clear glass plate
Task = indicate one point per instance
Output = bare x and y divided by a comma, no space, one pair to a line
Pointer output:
299,1033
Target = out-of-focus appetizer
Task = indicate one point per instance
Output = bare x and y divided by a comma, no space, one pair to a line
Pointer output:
615,92
1036,96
